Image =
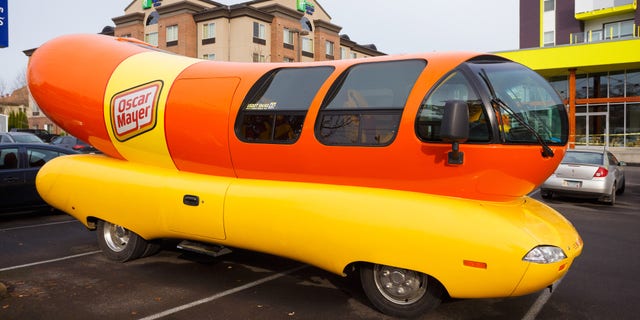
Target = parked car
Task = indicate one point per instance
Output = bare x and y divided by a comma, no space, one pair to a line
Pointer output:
19,164
71,142
45,135
587,174
19,137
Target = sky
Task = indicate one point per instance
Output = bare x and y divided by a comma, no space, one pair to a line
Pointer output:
400,26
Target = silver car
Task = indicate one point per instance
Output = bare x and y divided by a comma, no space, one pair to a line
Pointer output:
587,174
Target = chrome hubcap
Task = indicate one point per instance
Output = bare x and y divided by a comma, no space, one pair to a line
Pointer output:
400,286
116,237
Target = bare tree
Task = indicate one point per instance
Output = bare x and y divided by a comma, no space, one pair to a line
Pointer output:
20,79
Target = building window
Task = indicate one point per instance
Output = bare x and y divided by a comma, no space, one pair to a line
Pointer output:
258,57
616,84
343,53
329,49
259,33
151,38
307,47
153,18
287,39
287,59
620,29
209,56
632,138
633,84
549,5
172,35
208,33
549,39
366,103
353,55
277,104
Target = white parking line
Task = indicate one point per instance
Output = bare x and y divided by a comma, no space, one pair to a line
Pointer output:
38,225
49,261
222,294
540,302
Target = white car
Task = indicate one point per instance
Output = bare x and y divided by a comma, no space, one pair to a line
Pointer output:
587,174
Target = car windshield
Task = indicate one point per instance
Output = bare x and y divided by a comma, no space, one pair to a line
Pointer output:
27,138
583,158
522,99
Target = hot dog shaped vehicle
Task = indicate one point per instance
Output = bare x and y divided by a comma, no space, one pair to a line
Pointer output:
412,169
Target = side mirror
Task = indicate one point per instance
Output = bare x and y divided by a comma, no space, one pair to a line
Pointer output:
455,128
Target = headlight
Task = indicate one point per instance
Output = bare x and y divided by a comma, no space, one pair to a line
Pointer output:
545,254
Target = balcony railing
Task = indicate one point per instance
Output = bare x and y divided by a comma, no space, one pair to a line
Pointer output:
599,35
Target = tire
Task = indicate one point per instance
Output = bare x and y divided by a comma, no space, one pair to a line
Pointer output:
400,292
611,198
120,244
621,189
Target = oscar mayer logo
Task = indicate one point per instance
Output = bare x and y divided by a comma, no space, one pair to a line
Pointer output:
134,111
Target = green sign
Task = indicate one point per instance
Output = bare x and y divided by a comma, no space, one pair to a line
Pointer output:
301,5
146,4
304,6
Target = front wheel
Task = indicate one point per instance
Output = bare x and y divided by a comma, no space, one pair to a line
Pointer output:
400,292
120,244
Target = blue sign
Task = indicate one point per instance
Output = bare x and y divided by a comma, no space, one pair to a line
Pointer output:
4,24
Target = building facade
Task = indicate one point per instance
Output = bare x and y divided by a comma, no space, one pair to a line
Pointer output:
588,50
253,31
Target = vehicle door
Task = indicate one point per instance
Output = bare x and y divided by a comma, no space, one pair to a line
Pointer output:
35,158
12,177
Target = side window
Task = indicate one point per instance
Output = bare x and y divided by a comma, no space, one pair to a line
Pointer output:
38,157
9,159
364,106
455,86
276,106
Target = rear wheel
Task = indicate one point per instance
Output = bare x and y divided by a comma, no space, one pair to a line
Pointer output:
621,189
611,198
120,244
400,292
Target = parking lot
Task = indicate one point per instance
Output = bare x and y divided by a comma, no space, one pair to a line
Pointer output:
51,268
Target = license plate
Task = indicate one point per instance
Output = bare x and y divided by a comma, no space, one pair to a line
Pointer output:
572,184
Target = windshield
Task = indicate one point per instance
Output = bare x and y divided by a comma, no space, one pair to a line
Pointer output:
523,98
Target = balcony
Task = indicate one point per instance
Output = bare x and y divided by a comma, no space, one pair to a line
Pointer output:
611,32
595,9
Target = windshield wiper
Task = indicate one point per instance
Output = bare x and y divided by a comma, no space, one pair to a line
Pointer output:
546,151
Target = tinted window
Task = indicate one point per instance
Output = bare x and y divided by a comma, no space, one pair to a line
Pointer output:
9,158
365,104
38,157
455,86
276,106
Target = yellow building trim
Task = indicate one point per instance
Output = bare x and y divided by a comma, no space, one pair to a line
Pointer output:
592,57
607,12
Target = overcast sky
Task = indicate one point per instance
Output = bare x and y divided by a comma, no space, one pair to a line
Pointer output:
400,26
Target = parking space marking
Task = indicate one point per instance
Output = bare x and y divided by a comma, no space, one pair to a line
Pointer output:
50,261
222,294
38,225
540,302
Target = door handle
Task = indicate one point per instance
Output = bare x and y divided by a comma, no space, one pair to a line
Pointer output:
191,200
11,179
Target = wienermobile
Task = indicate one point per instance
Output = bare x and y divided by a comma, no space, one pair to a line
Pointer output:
412,170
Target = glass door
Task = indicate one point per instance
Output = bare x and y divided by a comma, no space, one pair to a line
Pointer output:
592,129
